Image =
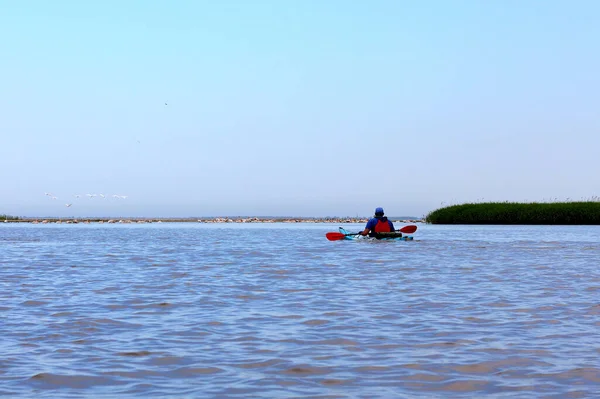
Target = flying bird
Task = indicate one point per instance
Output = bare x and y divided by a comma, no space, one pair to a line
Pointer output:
68,205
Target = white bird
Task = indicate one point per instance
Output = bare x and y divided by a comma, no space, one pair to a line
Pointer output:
102,195
48,194
53,197
68,205
77,195
116,196
123,196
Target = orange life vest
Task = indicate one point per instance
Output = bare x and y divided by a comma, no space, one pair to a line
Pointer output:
382,227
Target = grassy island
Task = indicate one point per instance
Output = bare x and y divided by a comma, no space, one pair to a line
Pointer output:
562,213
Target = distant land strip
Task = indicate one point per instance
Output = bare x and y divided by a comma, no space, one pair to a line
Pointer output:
73,220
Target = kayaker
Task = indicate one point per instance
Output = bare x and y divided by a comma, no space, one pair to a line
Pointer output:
378,224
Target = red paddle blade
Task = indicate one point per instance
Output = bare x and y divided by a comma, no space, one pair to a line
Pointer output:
408,229
334,236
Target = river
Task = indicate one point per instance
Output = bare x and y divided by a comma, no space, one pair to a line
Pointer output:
277,311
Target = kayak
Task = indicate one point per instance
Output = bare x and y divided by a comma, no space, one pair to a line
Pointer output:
396,236
343,234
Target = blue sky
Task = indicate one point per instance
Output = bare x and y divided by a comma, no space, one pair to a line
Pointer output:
305,108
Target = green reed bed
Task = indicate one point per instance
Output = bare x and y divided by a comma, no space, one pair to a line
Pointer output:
587,212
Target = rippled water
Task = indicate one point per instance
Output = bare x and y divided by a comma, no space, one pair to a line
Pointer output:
276,310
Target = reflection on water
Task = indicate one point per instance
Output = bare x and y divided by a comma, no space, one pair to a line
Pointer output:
278,311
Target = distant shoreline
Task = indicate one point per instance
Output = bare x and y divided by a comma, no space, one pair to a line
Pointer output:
72,220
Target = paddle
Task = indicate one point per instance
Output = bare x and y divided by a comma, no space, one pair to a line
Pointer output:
408,229
340,236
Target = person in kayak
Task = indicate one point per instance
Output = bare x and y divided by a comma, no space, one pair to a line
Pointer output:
378,224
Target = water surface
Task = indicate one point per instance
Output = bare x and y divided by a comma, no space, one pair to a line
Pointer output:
276,310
